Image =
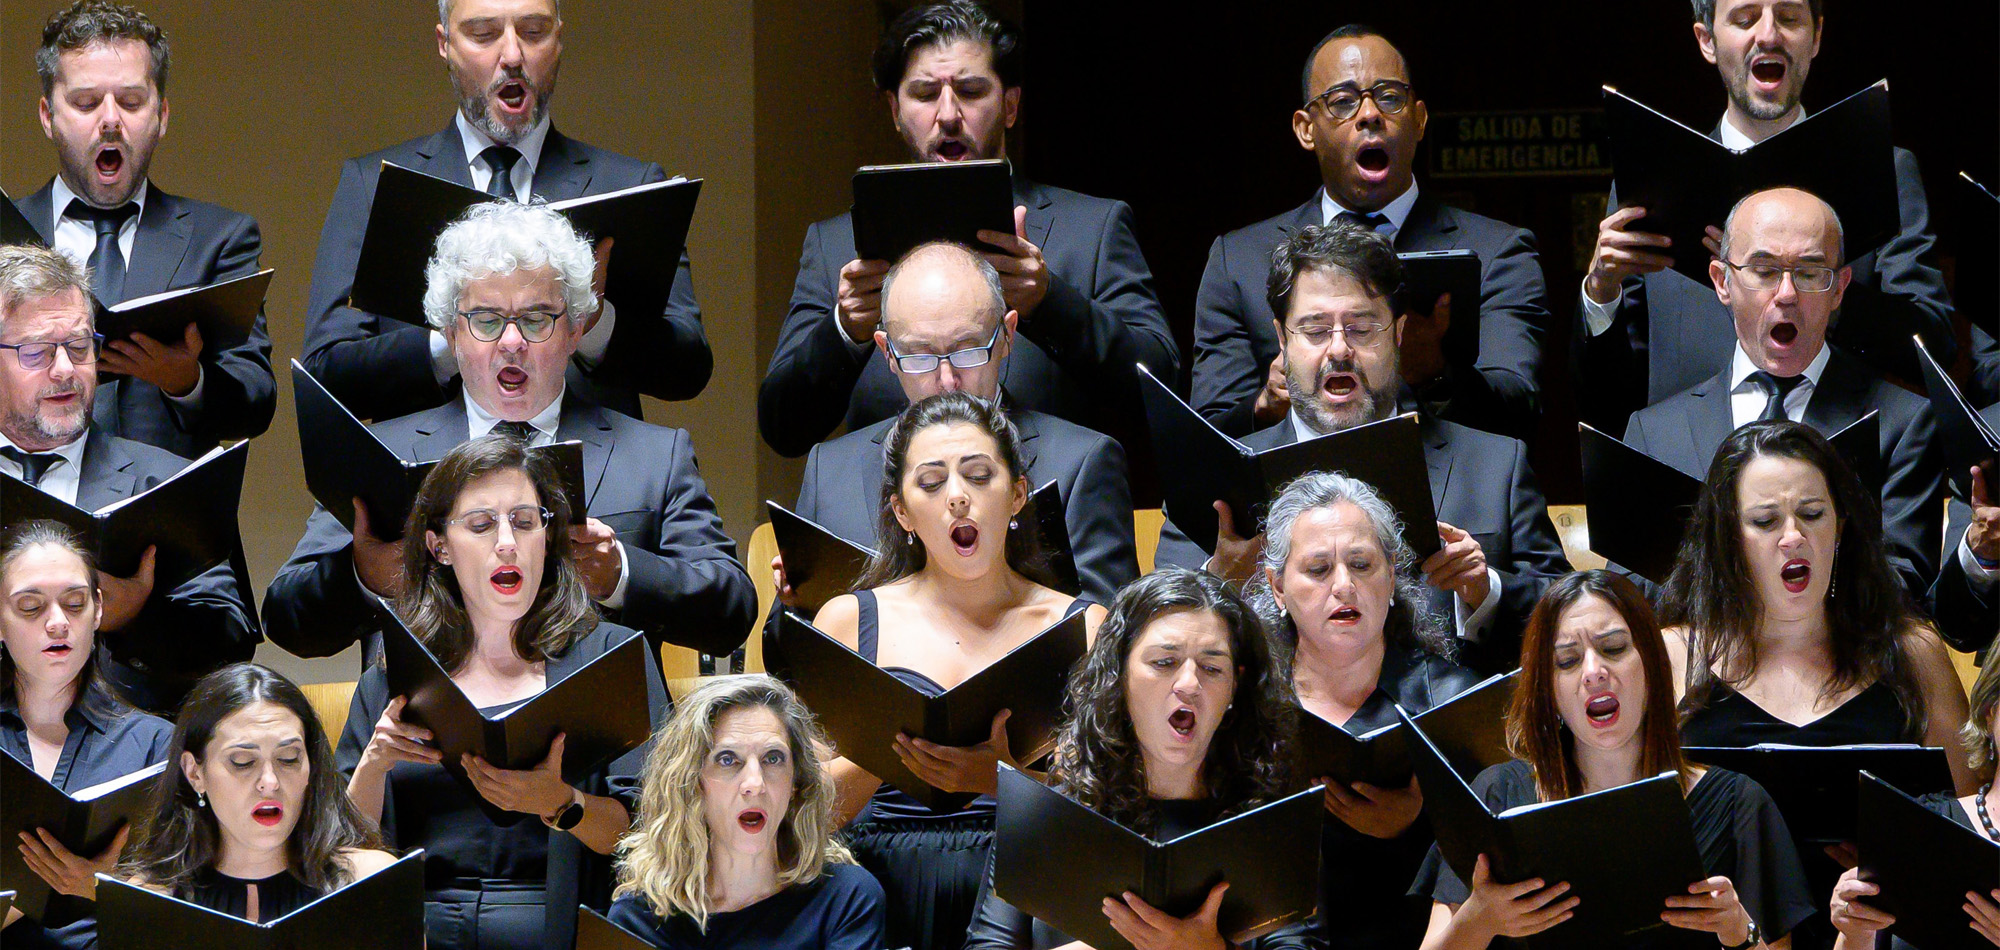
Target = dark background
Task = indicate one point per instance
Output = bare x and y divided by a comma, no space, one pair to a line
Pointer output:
1188,120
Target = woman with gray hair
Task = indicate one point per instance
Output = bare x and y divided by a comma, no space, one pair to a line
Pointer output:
1343,597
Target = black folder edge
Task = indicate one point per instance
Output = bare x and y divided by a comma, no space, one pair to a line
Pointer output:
1429,274
15,228
881,209
1860,444
133,791
594,931
1615,520
1747,759
120,556
120,321
1964,435
811,551
1888,862
1393,447
1057,554
404,877
1387,743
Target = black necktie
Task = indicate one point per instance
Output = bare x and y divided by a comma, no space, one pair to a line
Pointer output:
1371,221
1775,388
501,159
107,263
34,465
518,431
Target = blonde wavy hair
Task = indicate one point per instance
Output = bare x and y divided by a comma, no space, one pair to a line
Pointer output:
664,858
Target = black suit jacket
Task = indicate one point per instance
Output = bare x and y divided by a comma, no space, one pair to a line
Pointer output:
1073,357
1235,341
1668,332
842,491
685,586
381,368
1685,429
1480,483
183,243
182,634
1967,620
1983,385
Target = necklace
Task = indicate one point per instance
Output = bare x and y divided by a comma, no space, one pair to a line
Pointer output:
1984,818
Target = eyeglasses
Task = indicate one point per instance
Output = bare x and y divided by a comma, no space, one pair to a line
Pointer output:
524,520
971,357
1807,278
487,325
1343,100
83,349
1358,335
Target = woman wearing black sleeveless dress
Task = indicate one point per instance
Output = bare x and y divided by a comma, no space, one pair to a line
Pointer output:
957,584
1787,626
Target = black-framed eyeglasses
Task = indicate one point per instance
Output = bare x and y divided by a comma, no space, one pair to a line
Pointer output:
1765,275
487,325
969,357
1343,100
83,349
1358,334
524,520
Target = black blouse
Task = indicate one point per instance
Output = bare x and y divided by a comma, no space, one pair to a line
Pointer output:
839,910
1737,829
277,895
423,806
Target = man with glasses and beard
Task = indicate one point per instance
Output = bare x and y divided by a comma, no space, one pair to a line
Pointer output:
502,58
103,68
1645,331
154,644
510,291
1363,121
1334,288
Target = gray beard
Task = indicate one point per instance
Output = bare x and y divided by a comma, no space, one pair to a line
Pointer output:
41,433
473,107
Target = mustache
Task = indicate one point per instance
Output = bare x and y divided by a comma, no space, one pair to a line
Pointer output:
511,74
71,388
1328,368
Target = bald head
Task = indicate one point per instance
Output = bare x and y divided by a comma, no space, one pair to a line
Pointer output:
937,300
1792,212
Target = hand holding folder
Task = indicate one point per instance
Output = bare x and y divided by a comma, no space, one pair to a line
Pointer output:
1924,864
85,822
899,207
1469,728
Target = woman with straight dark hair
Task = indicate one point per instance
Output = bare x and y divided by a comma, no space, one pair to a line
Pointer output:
1594,711
1177,718
58,716
250,819
495,595
959,580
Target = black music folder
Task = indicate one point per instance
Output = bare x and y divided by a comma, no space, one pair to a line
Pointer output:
1814,786
191,517
223,312
821,565
15,228
1057,860
648,224
899,207
1924,863
345,461
1687,182
1964,434
383,911
6,903
601,709
1428,275
1208,466
1470,728
863,706
85,821
594,932
1622,850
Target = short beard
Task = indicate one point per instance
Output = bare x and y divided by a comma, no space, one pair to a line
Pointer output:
1323,419
472,105
43,433
1739,94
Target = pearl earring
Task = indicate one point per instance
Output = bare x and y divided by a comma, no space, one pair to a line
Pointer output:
910,537
1014,524
201,799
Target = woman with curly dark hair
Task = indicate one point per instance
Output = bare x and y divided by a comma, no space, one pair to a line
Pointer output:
1177,718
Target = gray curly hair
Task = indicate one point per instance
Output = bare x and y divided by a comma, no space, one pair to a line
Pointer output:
499,238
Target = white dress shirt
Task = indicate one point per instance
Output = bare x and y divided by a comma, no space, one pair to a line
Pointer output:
1397,211
1746,398
77,238
63,479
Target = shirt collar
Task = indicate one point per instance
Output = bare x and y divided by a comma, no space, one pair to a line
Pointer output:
1736,140
60,196
479,422
1740,367
1396,211
84,710
71,453
530,145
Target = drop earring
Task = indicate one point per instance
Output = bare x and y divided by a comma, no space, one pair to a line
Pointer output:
1013,524
910,537
201,799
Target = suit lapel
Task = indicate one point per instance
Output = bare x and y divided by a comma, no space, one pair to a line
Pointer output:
106,476
1041,219
1302,216
39,209
587,424
1031,434
563,171
441,430
1709,420
1430,227
164,233
444,156
1437,458
1839,398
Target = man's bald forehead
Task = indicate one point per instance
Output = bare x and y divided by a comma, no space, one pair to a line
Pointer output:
932,266
1325,57
1781,207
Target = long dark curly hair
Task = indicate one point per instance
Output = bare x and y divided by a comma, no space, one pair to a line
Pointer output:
1097,758
1712,594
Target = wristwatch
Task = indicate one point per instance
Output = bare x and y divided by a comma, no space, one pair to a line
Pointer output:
571,815
1749,941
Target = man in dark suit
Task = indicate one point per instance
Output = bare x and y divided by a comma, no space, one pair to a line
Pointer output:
1780,277
1072,268
502,57
1340,364
153,644
945,302
1362,121
653,553
103,68
1965,601
1645,331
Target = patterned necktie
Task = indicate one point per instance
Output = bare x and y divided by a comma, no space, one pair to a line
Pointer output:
34,465
107,263
501,159
1775,388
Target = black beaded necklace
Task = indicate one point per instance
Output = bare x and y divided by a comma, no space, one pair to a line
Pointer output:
1984,818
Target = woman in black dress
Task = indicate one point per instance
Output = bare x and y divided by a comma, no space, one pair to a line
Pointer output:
1178,717
1860,924
1342,594
958,582
251,819
57,715
1593,711
734,846
495,595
